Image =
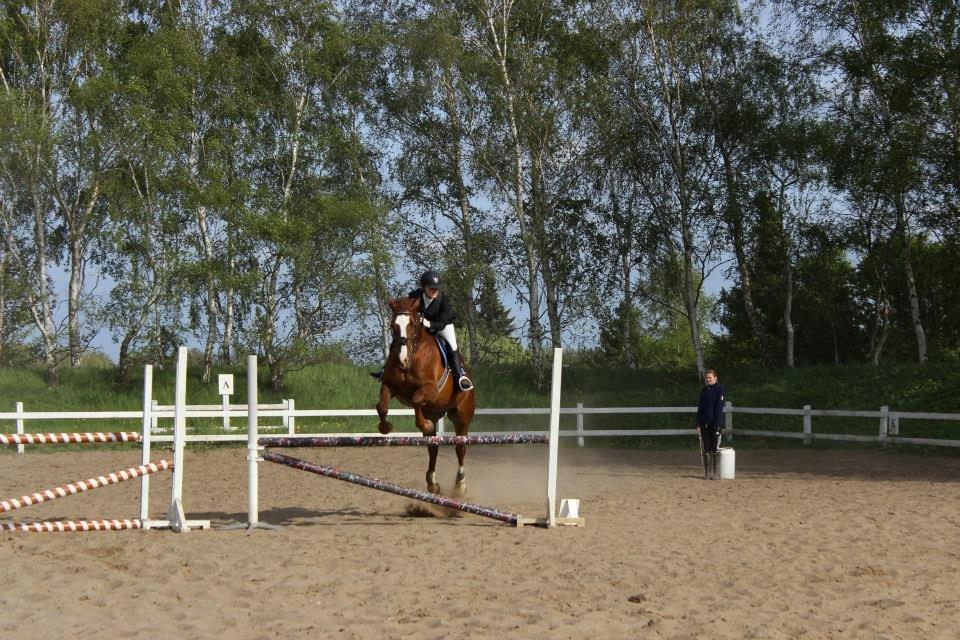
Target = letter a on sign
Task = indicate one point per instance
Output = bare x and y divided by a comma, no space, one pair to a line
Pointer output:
225,381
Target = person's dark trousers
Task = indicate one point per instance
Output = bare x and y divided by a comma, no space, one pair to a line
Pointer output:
711,439
711,451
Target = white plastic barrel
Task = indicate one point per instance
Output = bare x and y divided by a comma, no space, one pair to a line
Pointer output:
728,463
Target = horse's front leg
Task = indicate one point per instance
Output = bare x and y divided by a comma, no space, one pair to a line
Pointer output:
420,397
382,408
428,428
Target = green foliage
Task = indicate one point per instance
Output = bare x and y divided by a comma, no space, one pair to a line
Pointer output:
253,175
903,387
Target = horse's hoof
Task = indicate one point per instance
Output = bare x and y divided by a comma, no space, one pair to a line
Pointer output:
460,489
429,429
385,427
433,488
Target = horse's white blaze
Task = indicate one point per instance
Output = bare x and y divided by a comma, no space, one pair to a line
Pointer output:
402,322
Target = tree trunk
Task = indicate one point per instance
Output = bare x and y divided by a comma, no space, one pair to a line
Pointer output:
276,379
133,330
734,220
226,346
539,215
517,201
691,291
466,221
270,327
627,321
211,293
4,265
881,324
42,310
911,281
123,359
78,227
73,300
788,312
382,310
156,347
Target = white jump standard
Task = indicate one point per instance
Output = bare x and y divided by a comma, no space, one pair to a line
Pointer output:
256,445
175,518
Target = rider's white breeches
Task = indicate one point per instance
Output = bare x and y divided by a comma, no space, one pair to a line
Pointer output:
449,335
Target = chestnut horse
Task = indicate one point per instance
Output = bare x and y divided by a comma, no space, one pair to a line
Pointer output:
415,375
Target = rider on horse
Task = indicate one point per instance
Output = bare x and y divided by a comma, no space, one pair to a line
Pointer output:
438,317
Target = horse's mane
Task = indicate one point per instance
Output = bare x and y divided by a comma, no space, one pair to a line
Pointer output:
405,305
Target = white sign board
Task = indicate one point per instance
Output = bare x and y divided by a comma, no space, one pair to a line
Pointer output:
225,382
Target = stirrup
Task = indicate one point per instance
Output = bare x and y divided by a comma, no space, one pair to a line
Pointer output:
464,383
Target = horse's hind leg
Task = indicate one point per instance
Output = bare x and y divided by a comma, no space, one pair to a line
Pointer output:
461,417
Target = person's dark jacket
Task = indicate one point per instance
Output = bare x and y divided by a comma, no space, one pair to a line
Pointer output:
439,313
710,406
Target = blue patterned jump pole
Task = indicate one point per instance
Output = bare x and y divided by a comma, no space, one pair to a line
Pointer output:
402,441
373,483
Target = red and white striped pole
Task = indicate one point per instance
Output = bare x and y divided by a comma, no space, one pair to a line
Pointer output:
67,438
72,525
81,486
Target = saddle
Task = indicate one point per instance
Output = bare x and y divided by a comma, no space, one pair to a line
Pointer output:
447,359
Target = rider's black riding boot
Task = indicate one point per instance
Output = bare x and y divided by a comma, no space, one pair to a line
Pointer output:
462,380
377,375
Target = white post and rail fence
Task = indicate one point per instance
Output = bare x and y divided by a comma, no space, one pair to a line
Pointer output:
887,421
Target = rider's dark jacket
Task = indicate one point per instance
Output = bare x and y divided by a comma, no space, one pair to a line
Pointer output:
710,406
439,313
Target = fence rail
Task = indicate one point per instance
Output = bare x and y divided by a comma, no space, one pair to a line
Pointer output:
888,422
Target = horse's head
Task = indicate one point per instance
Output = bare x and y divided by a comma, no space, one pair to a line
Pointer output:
405,325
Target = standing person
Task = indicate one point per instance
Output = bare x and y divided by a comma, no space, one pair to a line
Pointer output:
710,422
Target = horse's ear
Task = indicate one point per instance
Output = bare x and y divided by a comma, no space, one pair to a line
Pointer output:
393,304
417,304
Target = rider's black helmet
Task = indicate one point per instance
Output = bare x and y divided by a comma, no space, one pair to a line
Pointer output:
430,278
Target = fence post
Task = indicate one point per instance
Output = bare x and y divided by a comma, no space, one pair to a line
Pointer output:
440,426
291,419
807,425
728,420
226,413
147,427
579,424
884,422
20,425
154,420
